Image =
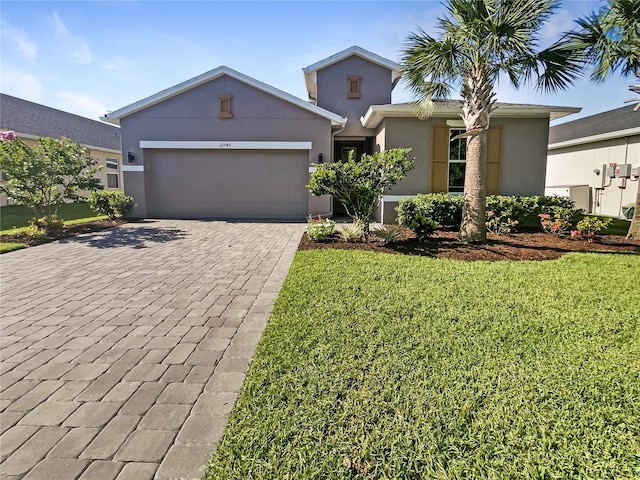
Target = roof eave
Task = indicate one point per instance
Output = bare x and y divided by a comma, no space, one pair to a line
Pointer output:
376,113
595,138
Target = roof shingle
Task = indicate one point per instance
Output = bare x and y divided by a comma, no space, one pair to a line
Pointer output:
31,118
621,118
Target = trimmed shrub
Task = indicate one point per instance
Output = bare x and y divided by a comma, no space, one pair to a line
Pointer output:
420,212
112,203
444,209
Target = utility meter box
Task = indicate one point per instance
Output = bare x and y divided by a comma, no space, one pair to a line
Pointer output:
599,178
611,170
622,170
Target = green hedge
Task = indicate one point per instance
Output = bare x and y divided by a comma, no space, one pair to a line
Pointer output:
446,209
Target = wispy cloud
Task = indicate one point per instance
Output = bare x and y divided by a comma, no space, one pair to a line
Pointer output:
20,40
116,63
20,84
81,104
78,47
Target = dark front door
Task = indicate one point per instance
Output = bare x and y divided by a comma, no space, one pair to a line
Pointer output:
343,149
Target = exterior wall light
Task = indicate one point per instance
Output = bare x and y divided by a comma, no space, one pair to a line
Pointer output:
130,157
320,159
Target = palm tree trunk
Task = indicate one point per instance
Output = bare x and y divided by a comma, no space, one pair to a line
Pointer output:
472,228
634,228
477,91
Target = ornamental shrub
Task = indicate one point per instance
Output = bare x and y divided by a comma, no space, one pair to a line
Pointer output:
114,204
359,183
444,209
387,234
589,227
319,230
500,225
560,220
351,234
49,226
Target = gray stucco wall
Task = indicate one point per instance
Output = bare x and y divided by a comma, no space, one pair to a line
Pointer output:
375,89
524,154
193,115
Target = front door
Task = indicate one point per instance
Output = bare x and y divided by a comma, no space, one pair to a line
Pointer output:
343,149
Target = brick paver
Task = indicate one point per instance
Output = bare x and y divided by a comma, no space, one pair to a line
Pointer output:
123,351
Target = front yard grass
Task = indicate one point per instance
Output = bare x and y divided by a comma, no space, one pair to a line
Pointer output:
13,218
387,366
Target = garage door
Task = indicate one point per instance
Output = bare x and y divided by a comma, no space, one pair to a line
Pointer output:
228,184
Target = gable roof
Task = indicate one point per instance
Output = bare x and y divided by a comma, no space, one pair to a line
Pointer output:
617,123
32,119
310,72
452,108
114,117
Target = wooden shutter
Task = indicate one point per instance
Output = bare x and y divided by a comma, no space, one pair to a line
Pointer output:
439,159
494,158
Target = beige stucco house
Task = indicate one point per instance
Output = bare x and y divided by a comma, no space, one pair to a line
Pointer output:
580,153
31,121
225,145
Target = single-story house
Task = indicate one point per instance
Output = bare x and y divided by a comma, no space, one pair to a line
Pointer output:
31,121
225,145
580,152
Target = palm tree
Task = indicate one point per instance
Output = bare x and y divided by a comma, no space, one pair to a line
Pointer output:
479,41
610,41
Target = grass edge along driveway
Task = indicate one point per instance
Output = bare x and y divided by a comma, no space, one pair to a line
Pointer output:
387,366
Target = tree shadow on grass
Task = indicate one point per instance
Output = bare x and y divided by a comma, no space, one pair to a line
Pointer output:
135,235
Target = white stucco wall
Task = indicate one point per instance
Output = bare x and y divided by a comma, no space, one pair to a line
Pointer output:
575,165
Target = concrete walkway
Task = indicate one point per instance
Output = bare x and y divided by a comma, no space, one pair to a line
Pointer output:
123,351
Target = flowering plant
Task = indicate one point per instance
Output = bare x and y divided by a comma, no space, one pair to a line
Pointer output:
589,227
500,224
559,221
320,229
8,135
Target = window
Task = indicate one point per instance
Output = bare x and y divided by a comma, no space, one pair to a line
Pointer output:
354,86
112,163
225,106
457,161
112,180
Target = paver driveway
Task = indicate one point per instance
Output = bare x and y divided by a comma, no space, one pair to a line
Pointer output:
123,351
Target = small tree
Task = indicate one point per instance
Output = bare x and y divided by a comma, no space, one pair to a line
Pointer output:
360,184
43,177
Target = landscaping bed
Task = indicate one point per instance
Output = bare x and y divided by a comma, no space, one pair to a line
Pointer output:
68,231
515,246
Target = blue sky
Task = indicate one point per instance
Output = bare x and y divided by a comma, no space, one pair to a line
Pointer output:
87,57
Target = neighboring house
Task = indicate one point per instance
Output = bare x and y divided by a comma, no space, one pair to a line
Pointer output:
224,145
31,121
580,152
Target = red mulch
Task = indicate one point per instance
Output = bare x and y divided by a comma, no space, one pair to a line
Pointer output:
69,231
516,246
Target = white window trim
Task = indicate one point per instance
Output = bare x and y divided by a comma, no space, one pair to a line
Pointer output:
450,160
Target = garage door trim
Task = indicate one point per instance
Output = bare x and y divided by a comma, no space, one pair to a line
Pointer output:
224,145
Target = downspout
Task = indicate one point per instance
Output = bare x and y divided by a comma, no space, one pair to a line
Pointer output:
624,180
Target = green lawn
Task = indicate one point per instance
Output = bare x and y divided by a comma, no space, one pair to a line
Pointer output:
6,247
385,366
18,216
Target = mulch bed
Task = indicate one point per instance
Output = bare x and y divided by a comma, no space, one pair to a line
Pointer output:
516,246
69,231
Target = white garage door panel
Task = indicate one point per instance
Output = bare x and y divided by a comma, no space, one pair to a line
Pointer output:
228,184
